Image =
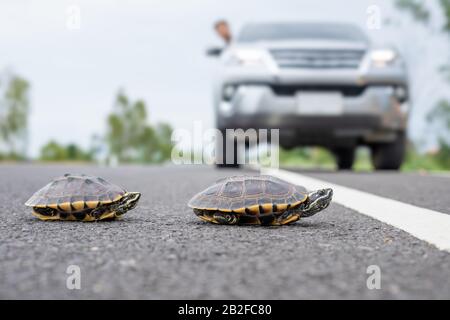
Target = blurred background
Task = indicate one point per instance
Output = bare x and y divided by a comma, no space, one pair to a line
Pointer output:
109,81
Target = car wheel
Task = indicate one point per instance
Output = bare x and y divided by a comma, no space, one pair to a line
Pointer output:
345,157
221,153
389,156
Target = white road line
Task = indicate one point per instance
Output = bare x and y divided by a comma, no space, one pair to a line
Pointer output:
428,225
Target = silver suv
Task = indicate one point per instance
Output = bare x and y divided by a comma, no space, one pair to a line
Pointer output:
321,84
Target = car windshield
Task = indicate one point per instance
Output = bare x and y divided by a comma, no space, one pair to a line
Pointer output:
300,31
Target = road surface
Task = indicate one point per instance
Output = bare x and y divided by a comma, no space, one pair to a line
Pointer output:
160,250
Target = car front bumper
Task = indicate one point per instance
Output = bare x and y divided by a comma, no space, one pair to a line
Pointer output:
368,114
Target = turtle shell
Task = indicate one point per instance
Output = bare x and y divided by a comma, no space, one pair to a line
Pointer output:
249,194
75,192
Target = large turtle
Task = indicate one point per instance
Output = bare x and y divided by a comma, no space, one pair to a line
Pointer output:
81,197
264,200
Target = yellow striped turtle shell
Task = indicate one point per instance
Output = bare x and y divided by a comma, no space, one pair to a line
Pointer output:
249,195
76,192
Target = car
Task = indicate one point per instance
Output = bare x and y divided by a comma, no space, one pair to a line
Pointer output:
320,83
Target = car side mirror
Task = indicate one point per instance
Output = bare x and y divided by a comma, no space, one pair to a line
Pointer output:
214,52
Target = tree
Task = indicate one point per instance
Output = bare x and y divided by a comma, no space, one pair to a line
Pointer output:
14,109
131,138
415,8
53,151
439,116
164,135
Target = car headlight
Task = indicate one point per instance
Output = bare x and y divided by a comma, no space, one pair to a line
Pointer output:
383,57
246,57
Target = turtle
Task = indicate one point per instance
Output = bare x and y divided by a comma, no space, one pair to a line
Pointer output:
81,197
257,200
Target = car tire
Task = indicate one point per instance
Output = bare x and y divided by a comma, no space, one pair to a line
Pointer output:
221,153
389,156
345,157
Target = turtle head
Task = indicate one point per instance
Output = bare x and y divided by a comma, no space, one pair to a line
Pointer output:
317,201
128,202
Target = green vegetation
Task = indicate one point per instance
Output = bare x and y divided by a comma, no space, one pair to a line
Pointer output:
131,139
421,13
320,158
439,117
416,161
53,151
312,158
14,110
415,8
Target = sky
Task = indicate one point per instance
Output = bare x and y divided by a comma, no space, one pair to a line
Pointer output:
154,50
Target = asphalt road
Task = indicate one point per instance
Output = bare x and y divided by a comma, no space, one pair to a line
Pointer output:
161,250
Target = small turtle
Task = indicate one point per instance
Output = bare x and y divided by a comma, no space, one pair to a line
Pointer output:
81,197
262,200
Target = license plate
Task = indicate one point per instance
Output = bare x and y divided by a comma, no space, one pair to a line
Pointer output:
320,103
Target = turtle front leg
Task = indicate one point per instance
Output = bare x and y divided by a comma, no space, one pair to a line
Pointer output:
204,215
217,217
225,218
102,213
287,217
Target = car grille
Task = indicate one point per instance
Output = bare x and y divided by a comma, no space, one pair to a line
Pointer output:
317,59
345,90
